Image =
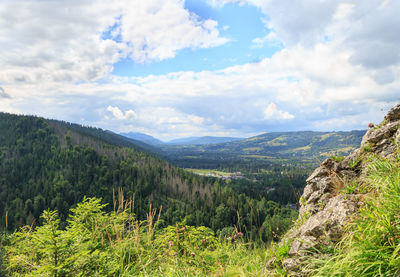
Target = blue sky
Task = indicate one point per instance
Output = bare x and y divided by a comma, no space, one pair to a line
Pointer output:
175,68
240,24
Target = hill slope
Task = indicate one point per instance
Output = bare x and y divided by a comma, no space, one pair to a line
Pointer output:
47,164
283,147
142,137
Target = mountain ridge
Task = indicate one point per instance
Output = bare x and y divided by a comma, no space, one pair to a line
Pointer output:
142,137
202,140
299,146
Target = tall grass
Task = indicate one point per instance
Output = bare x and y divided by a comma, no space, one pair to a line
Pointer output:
96,243
371,243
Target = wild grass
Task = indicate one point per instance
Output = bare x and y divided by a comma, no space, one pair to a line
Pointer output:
96,243
371,244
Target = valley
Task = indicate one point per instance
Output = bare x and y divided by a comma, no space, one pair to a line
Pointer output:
79,185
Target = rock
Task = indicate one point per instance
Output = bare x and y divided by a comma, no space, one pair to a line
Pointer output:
376,135
397,137
393,114
301,244
330,219
319,182
324,209
270,263
290,264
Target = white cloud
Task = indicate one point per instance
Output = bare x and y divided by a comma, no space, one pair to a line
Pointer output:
343,10
272,113
117,113
339,69
158,29
366,28
75,41
269,40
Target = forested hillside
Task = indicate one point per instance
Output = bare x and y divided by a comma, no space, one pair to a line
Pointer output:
264,151
347,227
46,164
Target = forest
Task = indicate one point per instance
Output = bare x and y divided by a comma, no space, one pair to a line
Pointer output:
47,164
298,151
77,200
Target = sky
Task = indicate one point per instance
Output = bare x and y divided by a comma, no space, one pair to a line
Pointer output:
175,68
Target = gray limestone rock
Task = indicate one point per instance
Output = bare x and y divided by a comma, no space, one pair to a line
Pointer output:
393,114
324,210
378,134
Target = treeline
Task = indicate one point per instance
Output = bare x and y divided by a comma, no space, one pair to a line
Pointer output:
47,165
282,185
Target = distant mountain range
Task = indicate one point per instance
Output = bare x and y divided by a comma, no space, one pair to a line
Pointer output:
202,140
301,148
180,141
301,143
276,144
296,147
142,137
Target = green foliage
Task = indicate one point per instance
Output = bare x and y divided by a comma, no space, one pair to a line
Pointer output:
3,241
276,254
371,245
48,164
356,187
355,163
96,243
366,148
338,158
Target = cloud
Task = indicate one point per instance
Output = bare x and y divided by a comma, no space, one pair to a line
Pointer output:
157,29
270,40
3,94
79,41
272,113
364,27
236,101
117,113
339,67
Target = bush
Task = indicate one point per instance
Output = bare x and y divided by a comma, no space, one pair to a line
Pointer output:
96,243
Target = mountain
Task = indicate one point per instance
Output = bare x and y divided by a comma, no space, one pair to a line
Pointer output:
54,164
348,223
302,143
289,147
142,137
102,135
202,140
50,164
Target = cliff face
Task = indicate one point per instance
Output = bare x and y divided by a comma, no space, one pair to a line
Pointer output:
331,198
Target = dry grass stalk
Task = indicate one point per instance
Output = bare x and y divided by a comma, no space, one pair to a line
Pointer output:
150,218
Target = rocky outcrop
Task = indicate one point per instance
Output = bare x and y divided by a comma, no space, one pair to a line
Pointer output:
326,205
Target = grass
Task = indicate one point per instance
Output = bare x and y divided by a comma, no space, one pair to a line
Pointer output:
96,243
209,171
371,243
338,158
